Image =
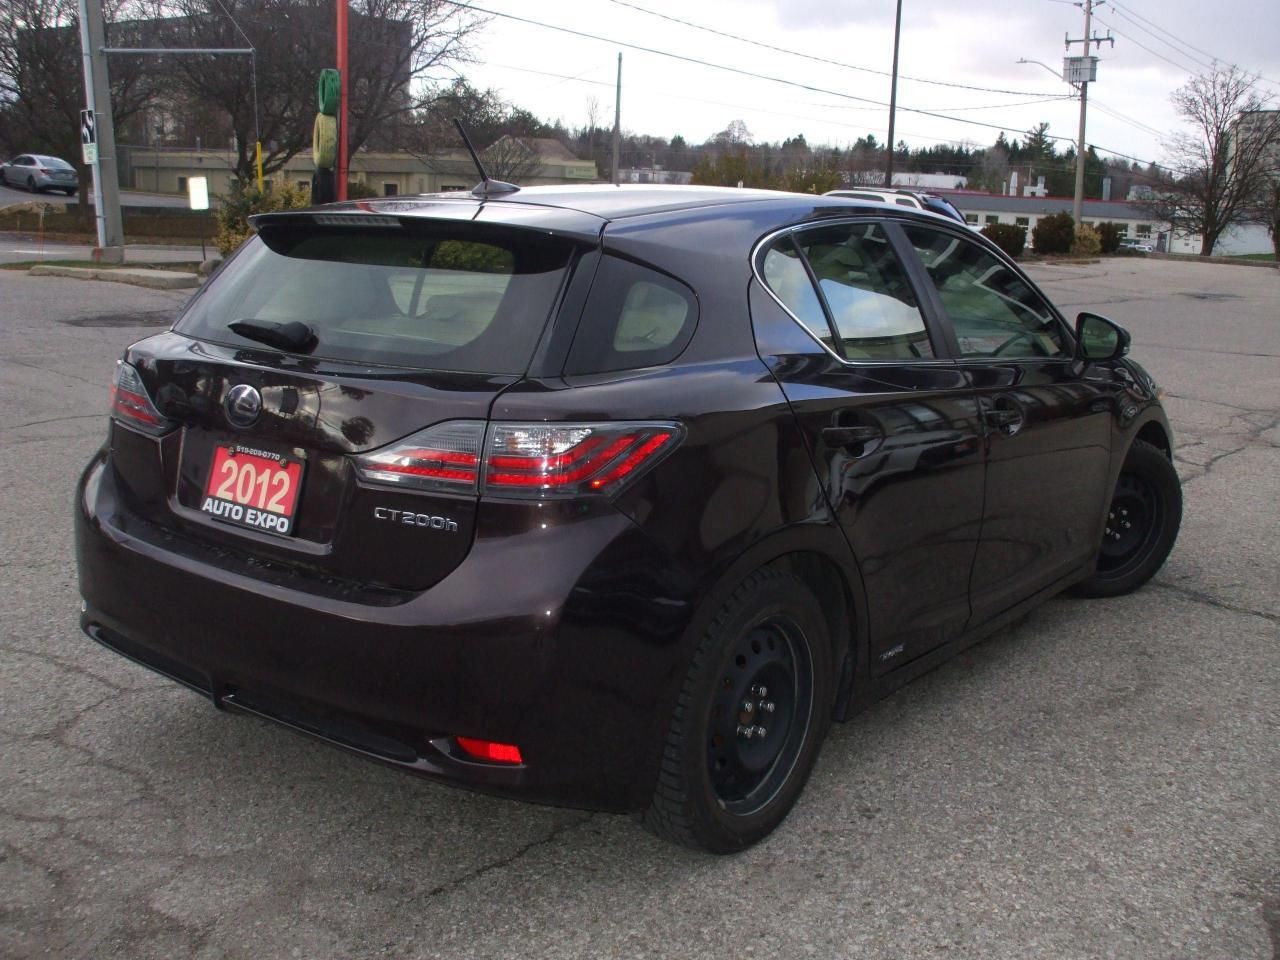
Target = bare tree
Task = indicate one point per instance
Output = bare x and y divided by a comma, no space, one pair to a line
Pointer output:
395,48
42,78
511,159
1220,170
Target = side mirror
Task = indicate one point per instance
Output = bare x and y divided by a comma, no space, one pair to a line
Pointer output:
1098,338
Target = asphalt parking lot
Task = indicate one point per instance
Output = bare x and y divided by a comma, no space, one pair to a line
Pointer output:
1099,781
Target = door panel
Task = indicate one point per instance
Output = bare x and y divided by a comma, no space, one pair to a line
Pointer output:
897,443
1047,478
1048,427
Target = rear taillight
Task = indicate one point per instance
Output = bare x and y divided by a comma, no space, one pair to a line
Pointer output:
540,460
130,403
44,172
522,460
443,457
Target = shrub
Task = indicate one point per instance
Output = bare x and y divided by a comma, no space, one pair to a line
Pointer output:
358,190
1088,242
234,212
1053,234
1110,234
1012,240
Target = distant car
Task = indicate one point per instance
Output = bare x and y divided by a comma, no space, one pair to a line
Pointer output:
38,173
1142,246
914,199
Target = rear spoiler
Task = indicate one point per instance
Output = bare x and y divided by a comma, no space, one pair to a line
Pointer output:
419,213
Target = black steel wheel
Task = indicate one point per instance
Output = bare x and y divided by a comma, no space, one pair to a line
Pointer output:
1142,524
750,718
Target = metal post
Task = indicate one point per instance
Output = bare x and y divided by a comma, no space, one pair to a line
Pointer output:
343,65
106,183
617,122
1077,205
893,98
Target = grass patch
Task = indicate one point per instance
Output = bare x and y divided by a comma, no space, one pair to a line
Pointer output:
1265,257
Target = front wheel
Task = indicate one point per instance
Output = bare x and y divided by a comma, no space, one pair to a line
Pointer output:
1142,523
749,720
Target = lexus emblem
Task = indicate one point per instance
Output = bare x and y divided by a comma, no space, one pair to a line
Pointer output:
243,404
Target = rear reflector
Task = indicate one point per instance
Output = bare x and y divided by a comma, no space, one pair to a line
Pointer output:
522,460
488,750
130,403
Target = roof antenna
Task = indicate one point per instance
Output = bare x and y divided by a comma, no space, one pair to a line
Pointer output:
486,187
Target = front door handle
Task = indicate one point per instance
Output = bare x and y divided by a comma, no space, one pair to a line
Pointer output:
1004,415
849,436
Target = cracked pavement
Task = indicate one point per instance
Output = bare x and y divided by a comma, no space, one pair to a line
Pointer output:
1098,781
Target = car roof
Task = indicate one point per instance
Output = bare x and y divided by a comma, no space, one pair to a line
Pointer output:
582,211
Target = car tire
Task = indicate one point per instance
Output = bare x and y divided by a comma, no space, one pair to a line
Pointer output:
727,781
1142,524
31,185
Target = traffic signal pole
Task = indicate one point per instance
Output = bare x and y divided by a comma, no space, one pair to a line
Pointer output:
343,65
106,180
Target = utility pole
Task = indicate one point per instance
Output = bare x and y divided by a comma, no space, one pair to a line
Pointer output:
1085,70
617,122
106,181
893,98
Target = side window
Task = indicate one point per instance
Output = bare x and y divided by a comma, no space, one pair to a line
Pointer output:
634,317
785,274
872,306
994,312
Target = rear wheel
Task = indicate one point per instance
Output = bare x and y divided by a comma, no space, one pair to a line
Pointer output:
31,185
749,720
1142,524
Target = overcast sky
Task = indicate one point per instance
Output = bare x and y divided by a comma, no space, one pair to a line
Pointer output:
975,42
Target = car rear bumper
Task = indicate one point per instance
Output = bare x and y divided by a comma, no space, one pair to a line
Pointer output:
553,644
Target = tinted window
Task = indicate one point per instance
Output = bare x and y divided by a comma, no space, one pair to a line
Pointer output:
873,307
445,302
54,163
993,310
634,317
786,276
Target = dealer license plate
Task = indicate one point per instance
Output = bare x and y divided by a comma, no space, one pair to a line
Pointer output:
253,488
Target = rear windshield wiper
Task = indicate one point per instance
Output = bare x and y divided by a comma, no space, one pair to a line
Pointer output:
294,336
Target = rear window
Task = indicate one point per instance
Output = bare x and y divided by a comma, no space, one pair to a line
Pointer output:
447,301
55,164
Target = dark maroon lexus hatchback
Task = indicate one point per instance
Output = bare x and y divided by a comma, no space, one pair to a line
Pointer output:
609,497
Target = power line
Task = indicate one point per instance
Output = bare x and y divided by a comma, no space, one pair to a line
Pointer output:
817,59
734,70
1131,14
760,76
1172,46
1155,53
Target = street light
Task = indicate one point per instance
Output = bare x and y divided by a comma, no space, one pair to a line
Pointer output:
1077,202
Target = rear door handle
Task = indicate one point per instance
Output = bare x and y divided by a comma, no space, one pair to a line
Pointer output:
849,436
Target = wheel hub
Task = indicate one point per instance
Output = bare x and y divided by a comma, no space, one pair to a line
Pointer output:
757,718
1131,518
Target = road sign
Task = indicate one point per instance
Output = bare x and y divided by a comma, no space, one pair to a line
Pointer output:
88,136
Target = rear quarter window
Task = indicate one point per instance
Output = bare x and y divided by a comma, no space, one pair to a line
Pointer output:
634,317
